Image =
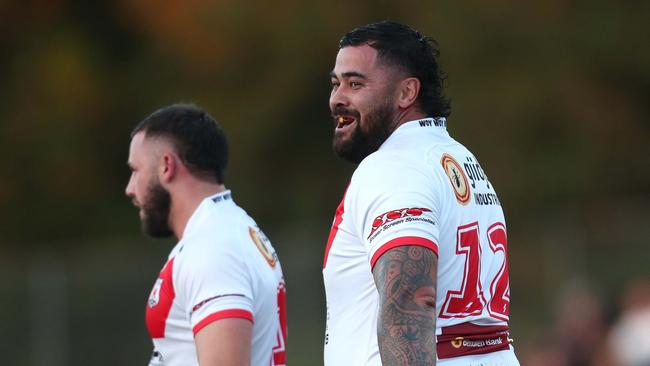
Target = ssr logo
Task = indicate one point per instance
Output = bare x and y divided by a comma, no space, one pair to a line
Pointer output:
390,216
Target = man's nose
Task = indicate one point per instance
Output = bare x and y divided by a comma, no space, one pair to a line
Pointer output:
129,189
338,98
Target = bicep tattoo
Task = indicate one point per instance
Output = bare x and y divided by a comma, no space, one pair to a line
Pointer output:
406,280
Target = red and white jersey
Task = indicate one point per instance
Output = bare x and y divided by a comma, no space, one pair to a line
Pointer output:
423,188
223,267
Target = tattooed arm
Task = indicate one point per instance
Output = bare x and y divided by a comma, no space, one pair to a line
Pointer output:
406,280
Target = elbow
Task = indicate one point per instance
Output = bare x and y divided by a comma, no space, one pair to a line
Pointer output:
425,297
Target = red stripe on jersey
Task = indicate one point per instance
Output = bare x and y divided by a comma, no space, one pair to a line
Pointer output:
335,227
160,302
223,314
280,349
471,329
400,242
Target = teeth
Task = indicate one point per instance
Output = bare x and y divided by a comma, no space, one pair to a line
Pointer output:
342,121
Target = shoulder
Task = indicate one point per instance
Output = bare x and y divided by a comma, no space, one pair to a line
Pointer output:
219,237
213,258
209,252
391,170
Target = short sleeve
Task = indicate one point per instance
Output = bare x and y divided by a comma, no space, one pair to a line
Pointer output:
213,282
395,204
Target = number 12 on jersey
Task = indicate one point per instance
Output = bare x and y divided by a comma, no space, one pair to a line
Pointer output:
469,300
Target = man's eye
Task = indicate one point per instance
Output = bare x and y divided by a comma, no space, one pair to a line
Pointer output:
355,84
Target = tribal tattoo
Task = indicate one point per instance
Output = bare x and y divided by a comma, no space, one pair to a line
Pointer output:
406,280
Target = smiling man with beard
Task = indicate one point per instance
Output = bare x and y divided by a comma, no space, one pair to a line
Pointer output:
220,297
415,270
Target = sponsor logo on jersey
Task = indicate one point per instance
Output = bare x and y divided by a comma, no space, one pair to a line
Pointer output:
468,339
394,217
261,242
486,199
457,178
478,181
458,342
154,297
430,122
223,197
474,172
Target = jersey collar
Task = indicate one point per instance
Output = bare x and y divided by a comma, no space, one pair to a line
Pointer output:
218,199
437,125
221,196
429,122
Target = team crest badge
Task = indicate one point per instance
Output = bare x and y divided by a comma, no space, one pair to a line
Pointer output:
259,243
154,297
457,178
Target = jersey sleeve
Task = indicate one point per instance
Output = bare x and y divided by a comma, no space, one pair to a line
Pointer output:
214,283
395,204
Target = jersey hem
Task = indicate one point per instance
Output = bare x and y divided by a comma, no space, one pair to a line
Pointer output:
223,314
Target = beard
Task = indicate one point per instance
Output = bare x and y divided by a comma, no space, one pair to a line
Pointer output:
155,221
379,124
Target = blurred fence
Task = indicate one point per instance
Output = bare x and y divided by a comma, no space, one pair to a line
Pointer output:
85,306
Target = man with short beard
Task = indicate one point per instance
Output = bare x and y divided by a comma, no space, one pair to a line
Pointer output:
220,297
415,267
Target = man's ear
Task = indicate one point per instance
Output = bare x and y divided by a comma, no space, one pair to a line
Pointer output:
168,167
409,89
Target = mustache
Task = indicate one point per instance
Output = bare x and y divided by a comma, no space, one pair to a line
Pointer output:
342,111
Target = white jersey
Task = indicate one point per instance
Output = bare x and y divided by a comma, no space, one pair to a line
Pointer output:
223,267
423,188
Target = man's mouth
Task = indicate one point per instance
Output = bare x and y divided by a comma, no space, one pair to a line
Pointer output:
342,121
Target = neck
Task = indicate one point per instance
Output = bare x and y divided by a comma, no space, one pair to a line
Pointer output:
407,115
186,198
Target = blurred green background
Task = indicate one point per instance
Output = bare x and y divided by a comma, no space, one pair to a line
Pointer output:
553,97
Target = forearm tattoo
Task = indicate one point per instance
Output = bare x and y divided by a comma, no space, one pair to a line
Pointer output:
406,280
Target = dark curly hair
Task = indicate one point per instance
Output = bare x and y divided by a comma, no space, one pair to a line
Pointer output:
402,46
197,138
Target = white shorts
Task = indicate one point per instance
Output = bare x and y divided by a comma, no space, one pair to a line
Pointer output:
499,358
